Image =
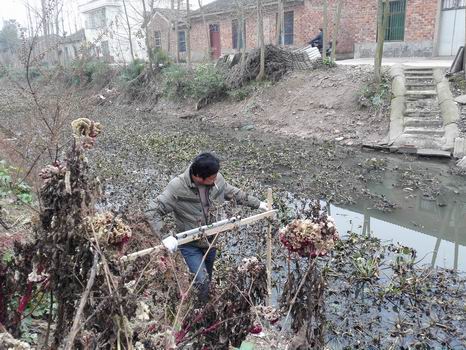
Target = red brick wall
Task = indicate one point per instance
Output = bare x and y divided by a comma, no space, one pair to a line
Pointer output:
358,25
420,20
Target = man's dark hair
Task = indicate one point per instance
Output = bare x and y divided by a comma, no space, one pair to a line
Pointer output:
205,165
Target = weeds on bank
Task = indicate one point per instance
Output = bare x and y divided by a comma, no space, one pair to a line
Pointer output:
180,82
375,95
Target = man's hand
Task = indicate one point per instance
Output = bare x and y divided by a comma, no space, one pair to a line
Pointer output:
171,243
263,206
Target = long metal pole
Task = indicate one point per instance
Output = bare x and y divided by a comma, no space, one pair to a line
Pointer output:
204,231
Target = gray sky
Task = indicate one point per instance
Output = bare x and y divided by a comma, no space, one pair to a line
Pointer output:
16,9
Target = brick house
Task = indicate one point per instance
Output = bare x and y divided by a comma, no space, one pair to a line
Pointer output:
421,28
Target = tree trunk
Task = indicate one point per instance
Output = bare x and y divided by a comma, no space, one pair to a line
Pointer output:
188,35
336,30
382,21
44,17
260,35
206,27
464,51
146,17
177,37
243,37
280,23
129,31
31,26
325,29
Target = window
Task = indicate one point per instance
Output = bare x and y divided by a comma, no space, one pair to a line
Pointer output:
289,27
237,33
452,4
396,22
96,19
158,39
181,41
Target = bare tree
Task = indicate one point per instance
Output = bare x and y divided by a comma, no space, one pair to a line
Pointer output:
206,28
336,29
260,36
325,29
382,20
240,6
188,34
280,39
177,36
128,25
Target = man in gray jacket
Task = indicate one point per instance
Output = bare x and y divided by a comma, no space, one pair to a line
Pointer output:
191,197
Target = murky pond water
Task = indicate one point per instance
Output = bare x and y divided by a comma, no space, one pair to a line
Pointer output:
435,228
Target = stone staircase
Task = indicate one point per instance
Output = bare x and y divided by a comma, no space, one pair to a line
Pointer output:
422,124
416,124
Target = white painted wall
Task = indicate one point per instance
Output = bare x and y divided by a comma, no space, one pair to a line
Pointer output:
115,29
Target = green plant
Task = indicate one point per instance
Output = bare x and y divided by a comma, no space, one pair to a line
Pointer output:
207,79
176,82
132,70
87,71
327,61
8,187
375,95
160,57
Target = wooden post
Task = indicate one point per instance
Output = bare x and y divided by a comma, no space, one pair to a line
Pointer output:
269,250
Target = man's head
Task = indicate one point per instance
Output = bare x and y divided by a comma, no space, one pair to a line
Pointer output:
321,30
204,169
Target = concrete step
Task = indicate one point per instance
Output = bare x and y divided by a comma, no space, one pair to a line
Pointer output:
422,123
420,87
416,70
424,115
419,77
423,131
419,72
421,93
417,84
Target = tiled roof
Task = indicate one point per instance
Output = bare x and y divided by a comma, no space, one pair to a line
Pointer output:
223,6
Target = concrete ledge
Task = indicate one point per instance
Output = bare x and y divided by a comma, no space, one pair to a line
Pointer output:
459,151
451,133
396,118
397,70
443,91
450,113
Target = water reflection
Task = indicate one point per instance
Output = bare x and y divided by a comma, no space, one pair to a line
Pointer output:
436,229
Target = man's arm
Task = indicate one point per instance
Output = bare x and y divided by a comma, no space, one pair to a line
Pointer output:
163,205
241,197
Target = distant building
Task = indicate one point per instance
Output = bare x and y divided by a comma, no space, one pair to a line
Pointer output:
72,46
162,33
106,28
421,28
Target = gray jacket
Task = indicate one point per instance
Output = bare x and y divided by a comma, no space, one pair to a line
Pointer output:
181,197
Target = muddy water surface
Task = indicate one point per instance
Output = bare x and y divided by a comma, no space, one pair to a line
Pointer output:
436,228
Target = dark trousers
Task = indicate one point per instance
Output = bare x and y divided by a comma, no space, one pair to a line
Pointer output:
193,256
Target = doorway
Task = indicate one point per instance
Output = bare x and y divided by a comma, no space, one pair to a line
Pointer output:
452,22
215,47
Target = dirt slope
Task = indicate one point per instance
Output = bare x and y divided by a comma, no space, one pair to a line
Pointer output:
321,104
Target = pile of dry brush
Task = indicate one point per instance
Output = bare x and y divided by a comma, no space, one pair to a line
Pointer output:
278,62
